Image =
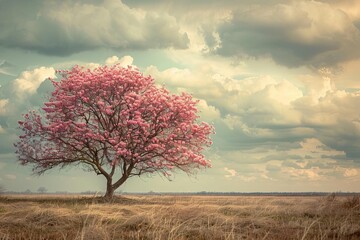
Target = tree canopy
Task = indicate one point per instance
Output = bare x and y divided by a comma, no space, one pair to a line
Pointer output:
116,122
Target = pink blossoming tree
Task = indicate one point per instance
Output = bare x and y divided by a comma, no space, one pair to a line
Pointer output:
116,122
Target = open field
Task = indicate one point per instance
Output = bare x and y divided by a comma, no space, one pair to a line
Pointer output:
179,217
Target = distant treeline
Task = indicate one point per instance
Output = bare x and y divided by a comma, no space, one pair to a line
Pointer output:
202,193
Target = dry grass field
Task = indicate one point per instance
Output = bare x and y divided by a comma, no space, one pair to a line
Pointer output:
179,217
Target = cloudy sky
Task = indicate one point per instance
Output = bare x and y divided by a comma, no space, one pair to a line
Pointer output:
279,80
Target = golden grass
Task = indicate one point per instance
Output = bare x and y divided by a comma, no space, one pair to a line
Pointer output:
179,217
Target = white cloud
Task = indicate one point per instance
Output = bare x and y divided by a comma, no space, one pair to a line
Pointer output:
208,112
316,148
237,124
29,81
350,172
231,172
283,92
3,104
309,174
123,62
177,78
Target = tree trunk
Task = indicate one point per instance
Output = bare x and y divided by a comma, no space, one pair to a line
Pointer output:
110,187
109,190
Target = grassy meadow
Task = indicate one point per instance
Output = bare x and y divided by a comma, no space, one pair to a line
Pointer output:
179,217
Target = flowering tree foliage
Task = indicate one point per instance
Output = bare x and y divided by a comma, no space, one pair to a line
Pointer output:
115,122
